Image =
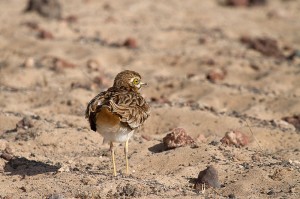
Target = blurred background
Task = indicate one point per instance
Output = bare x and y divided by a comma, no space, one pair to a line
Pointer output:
210,65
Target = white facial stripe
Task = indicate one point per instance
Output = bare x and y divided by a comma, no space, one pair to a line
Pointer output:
131,80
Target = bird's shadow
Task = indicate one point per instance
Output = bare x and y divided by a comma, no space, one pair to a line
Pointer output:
158,148
23,166
192,180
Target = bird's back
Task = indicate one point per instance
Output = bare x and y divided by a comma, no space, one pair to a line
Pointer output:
117,112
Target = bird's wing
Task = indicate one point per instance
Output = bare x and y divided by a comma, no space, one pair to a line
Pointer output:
131,107
94,106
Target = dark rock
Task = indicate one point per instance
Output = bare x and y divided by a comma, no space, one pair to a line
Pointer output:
245,2
271,192
130,43
46,8
231,196
214,143
23,189
209,177
25,123
293,55
44,34
265,45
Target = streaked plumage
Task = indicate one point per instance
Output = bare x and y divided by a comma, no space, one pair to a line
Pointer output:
117,112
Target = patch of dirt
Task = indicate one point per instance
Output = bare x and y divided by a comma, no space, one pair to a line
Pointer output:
200,77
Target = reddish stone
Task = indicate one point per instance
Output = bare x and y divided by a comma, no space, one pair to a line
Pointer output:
235,138
177,138
216,75
43,34
130,43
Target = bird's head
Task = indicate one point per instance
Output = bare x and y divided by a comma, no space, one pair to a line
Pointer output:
129,80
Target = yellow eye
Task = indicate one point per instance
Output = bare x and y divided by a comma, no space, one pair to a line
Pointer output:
136,81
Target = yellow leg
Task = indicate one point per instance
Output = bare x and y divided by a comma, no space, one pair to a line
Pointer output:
113,158
126,156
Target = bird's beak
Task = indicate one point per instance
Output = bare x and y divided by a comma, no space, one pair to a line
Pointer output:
143,84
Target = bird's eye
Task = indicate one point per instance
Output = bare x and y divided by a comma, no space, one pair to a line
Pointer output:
136,81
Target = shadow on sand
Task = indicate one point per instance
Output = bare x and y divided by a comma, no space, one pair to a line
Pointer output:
158,148
23,166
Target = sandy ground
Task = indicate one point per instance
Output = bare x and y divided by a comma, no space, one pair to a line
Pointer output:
50,81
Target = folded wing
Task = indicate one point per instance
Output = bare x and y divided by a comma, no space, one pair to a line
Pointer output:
131,107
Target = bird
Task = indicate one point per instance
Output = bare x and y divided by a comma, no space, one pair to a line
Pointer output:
117,112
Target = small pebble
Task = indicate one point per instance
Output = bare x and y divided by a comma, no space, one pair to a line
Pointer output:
71,19
56,196
265,45
29,63
271,192
25,123
216,75
93,65
244,3
44,34
130,43
23,189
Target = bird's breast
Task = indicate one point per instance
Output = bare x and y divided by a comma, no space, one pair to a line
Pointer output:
110,127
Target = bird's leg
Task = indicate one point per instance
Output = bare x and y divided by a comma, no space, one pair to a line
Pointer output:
126,156
113,158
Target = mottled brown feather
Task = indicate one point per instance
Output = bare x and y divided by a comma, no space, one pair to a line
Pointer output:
121,100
